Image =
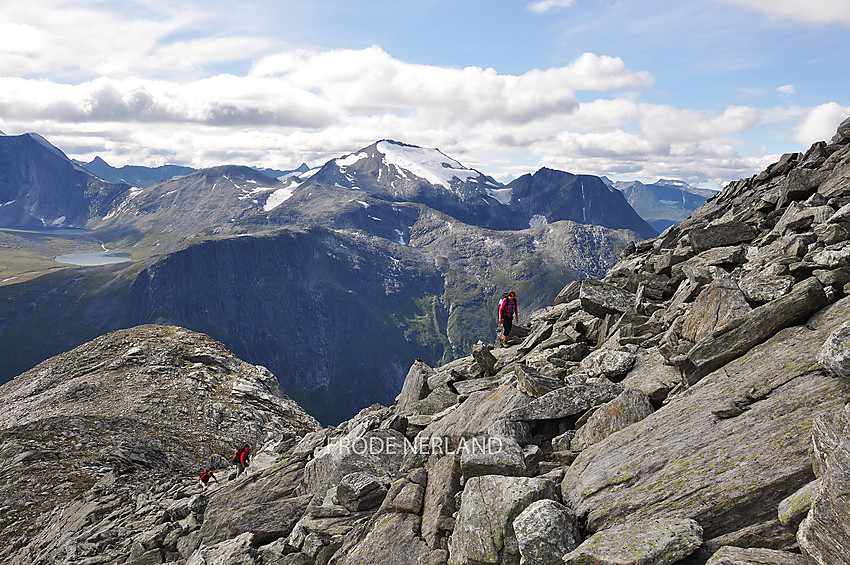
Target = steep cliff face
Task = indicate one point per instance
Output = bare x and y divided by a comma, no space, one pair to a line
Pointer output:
336,315
316,308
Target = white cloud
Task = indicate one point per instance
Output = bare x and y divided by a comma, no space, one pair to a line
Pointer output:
314,105
825,11
787,89
543,6
86,38
140,91
820,123
668,124
18,39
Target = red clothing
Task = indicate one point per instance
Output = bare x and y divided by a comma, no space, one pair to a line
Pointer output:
508,308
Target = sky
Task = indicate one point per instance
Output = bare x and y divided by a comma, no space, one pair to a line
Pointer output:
704,91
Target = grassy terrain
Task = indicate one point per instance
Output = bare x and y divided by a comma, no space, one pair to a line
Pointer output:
24,255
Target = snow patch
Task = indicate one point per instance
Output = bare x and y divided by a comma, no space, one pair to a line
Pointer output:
669,202
278,197
7,203
429,164
537,220
503,195
349,160
364,204
400,236
376,219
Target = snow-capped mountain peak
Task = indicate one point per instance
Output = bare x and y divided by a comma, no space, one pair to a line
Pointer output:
430,164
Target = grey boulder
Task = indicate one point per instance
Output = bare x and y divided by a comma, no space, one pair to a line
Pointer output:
484,531
835,353
360,491
824,535
629,407
648,542
608,363
601,298
545,531
729,555
486,455
565,402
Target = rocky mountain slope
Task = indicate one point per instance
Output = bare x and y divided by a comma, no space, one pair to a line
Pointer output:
148,176
689,408
101,444
40,186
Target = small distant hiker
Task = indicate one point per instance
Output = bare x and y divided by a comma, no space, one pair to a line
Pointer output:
242,458
206,476
507,310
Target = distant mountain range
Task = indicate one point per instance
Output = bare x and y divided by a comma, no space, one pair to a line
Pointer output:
393,249
663,203
147,176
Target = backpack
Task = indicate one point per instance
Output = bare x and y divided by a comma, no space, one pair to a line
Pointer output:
501,301
205,475
235,459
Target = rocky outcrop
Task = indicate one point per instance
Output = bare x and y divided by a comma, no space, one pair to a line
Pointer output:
105,442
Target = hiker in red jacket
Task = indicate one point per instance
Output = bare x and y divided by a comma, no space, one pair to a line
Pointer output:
242,458
507,310
206,476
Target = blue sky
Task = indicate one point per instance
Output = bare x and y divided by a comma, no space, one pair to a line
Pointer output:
707,91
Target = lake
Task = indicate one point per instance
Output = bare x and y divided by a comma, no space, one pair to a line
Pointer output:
93,259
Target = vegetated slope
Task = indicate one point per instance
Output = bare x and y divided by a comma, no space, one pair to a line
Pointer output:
691,407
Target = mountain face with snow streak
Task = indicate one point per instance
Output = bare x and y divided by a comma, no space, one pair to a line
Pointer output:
389,171
549,195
